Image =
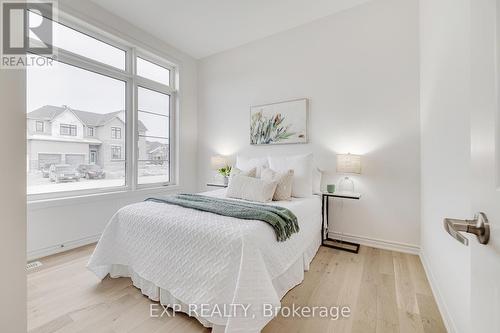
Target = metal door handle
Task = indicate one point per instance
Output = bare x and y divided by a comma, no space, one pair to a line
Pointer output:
479,226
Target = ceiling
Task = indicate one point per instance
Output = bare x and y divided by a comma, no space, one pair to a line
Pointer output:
204,27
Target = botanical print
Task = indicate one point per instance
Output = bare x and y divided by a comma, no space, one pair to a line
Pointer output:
279,123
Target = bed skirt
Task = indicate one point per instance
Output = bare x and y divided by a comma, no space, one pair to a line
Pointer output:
293,276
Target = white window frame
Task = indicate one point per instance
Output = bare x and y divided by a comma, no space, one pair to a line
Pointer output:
132,81
163,89
91,131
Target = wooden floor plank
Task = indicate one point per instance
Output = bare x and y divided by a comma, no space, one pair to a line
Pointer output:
429,314
405,289
387,310
385,291
365,316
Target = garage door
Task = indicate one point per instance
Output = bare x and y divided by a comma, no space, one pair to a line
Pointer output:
44,159
75,159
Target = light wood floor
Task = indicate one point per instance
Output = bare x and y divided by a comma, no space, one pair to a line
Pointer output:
386,291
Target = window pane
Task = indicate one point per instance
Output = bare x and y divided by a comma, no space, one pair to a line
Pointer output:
153,128
153,125
68,100
153,71
84,45
153,160
152,101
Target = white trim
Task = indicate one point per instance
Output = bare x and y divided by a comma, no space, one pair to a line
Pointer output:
377,243
443,309
114,194
66,246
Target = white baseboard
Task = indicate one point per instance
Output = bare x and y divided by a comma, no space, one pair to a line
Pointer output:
378,243
47,251
443,309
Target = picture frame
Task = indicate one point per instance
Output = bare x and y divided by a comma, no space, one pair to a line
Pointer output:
279,123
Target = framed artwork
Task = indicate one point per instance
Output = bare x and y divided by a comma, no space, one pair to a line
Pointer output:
279,123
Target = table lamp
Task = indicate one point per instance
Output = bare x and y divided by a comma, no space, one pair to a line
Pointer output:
348,164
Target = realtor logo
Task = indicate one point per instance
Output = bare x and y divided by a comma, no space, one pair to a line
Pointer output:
27,33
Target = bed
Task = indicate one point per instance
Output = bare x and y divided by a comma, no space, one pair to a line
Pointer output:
226,272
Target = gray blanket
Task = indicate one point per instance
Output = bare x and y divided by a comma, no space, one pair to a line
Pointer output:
283,221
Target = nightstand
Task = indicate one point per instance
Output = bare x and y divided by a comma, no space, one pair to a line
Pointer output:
330,242
216,185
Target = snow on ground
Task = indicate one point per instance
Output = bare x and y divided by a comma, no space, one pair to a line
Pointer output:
37,184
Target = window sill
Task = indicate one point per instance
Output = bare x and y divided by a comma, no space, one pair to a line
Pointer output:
112,195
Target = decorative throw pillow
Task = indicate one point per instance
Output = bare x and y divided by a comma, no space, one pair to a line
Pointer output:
302,166
245,163
249,173
284,183
251,189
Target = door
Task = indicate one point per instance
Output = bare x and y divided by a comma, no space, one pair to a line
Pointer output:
93,157
485,157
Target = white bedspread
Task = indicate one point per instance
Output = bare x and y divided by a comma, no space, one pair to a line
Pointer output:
204,258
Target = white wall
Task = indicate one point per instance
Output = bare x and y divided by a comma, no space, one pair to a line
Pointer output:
445,145
360,70
13,201
77,221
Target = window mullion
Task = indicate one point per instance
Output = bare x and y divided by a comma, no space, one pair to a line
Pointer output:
155,86
91,65
132,133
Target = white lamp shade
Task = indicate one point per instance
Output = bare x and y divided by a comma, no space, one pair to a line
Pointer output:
348,163
218,162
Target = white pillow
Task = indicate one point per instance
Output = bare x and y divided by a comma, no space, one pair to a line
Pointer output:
237,172
317,181
284,180
249,173
252,189
245,163
302,166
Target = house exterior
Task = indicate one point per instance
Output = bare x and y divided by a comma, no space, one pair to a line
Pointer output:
65,135
158,152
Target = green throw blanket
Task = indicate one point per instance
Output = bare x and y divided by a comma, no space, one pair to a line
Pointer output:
283,221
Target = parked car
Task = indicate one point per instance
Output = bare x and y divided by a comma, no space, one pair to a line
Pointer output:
63,173
91,171
46,170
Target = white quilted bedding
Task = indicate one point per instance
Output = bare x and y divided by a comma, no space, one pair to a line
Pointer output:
203,258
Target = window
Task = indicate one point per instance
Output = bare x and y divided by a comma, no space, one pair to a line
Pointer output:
116,133
154,148
69,130
39,126
116,152
152,71
87,94
81,44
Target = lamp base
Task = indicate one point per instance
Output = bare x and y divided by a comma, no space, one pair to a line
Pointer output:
346,184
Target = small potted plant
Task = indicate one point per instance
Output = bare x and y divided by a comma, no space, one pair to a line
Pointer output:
225,171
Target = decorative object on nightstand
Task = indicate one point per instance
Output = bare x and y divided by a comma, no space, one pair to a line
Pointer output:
348,164
330,242
221,165
330,188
